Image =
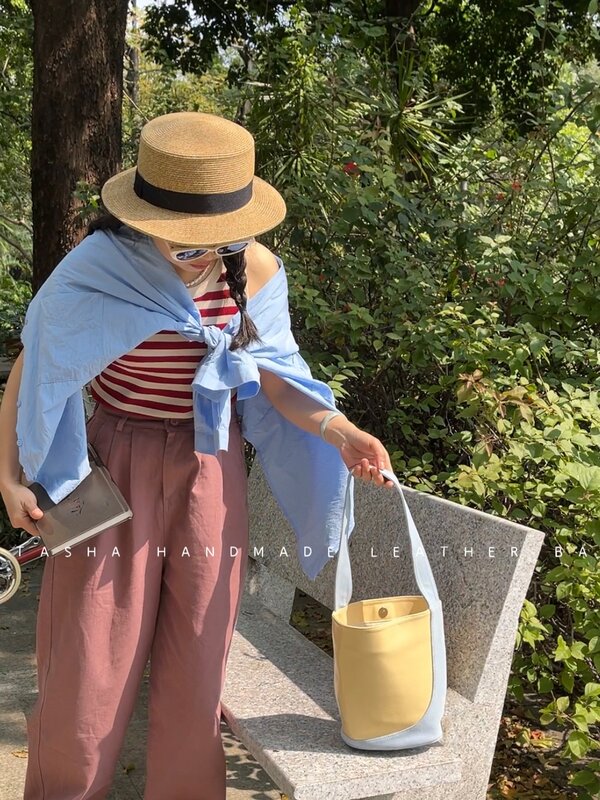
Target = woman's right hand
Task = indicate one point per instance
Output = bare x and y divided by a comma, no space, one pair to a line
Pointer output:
22,507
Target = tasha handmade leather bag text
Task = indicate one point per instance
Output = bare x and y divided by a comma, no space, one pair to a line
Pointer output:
389,653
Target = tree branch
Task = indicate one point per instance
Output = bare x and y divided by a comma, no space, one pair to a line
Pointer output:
17,246
19,222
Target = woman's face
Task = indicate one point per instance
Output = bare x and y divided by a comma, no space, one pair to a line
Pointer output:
190,268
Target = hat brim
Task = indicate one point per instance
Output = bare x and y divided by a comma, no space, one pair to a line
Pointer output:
265,211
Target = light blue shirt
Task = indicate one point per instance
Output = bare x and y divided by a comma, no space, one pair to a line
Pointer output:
115,290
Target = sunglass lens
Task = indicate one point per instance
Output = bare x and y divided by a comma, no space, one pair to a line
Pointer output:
229,249
187,255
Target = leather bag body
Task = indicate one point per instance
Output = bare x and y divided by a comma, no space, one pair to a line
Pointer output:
389,653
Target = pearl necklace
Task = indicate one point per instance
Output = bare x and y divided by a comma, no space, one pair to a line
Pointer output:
196,281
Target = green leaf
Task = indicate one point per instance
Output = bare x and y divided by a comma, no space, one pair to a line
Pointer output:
562,703
581,722
567,680
583,778
562,650
594,645
578,743
587,476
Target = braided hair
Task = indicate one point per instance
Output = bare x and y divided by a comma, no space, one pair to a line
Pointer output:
235,265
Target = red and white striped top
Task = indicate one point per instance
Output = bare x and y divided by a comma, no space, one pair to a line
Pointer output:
154,379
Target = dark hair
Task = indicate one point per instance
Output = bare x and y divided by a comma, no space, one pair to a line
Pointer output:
235,276
103,222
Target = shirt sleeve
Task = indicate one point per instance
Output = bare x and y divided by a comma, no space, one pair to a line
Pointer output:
306,475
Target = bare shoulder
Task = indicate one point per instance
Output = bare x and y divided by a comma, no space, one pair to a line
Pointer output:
261,265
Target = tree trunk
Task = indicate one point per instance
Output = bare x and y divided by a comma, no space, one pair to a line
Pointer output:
76,120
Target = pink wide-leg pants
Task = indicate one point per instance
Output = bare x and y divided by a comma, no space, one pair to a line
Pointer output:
132,592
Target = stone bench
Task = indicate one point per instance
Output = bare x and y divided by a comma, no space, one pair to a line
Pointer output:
278,697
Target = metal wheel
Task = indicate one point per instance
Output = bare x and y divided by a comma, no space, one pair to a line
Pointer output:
10,575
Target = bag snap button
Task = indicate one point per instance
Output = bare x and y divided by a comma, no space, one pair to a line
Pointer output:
383,612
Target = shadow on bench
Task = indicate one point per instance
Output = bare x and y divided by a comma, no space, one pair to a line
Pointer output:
278,697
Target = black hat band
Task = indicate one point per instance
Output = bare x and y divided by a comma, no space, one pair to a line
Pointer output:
191,202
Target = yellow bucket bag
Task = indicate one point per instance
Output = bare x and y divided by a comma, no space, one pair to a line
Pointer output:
389,653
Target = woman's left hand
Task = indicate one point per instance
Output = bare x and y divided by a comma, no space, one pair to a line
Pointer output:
361,452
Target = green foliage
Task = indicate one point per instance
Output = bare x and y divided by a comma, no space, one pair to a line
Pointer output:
448,293
14,299
177,35
189,34
504,55
16,70
15,147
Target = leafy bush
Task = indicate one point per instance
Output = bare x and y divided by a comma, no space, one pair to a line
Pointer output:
14,299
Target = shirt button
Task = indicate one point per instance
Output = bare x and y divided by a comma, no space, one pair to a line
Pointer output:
19,442
19,403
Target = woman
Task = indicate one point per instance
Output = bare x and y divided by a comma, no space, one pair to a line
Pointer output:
192,205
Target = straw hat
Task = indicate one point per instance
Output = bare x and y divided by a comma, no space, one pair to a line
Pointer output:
194,183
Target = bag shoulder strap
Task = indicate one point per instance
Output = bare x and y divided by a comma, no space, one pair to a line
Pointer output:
421,566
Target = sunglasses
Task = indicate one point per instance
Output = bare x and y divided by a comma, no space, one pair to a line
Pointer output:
225,250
